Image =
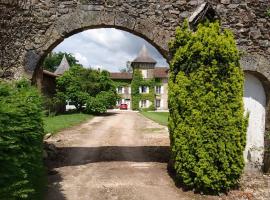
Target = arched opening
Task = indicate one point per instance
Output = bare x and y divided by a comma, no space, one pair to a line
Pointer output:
256,105
119,140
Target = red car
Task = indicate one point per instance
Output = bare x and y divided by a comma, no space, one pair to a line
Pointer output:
123,106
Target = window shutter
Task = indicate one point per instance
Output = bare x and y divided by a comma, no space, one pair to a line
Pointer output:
129,90
140,89
162,89
147,90
140,104
161,104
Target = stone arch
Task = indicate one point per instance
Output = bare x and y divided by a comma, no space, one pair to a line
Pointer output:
68,25
256,100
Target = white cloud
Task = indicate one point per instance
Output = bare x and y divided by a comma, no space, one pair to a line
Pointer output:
109,48
82,59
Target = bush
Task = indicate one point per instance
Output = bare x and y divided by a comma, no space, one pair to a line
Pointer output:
108,98
207,124
21,138
95,106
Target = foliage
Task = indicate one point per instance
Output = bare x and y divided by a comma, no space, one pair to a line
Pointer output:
53,124
159,117
21,137
53,60
52,105
79,84
108,98
95,106
206,122
137,82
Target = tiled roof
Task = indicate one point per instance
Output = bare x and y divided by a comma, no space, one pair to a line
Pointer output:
144,57
121,75
161,72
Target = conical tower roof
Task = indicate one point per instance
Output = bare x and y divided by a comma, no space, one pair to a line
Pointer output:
144,57
63,67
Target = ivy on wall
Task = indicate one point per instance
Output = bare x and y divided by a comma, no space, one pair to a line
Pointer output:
206,123
122,83
136,83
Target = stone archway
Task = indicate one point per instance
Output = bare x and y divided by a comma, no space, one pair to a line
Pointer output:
31,28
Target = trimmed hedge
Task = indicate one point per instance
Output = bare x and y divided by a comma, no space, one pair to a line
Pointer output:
21,142
207,124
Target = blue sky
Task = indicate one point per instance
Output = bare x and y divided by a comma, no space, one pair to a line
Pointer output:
107,48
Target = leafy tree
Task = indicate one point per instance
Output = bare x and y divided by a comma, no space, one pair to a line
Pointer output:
53,60
207,124
79,84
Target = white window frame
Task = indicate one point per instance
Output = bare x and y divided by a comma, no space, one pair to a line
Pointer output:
147,90
120,91
158,89
159,103
143,103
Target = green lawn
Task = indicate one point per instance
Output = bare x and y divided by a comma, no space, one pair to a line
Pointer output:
159,117
59,122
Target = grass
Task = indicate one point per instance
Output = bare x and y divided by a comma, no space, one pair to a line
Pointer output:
159,117
60,122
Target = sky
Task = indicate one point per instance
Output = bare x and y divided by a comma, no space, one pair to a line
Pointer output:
107,48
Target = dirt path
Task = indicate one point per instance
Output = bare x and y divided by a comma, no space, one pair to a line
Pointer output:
119,156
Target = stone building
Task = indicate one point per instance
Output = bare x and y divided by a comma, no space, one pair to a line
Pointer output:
145,64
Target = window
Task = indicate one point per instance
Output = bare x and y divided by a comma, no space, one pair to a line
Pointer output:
157,103
158,89
144,73
143,103
120,90
144,89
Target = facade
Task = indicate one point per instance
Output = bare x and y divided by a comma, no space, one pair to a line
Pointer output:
152,96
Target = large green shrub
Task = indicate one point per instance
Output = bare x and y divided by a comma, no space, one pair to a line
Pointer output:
207,124
21,136
95,106
78,84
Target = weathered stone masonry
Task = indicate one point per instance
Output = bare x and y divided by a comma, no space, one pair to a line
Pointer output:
29,29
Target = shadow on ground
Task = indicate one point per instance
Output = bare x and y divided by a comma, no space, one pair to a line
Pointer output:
108,154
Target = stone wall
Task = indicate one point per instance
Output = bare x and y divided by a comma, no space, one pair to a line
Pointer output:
32,28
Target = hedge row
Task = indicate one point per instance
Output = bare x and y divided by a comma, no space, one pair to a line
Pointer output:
207,124
21,135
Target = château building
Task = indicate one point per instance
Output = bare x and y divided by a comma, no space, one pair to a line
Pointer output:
152,92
